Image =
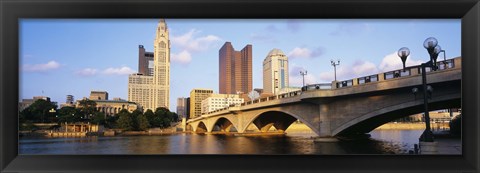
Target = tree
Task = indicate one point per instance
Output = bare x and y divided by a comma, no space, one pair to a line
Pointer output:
39,111
87,107
125,120
253,95
150,116
69,114
98,118
142,122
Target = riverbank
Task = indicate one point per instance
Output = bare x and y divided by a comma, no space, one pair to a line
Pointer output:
413,126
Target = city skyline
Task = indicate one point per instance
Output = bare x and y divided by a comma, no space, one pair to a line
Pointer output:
71,51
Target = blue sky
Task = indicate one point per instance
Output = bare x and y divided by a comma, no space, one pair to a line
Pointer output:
74,56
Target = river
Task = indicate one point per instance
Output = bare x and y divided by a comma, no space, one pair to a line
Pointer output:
380,142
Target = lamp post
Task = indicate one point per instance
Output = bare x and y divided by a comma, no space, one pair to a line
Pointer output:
335,67
403,54
303,75
431,44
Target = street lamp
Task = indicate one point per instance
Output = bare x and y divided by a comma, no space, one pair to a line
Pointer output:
431,44
303,75
335,67
403,54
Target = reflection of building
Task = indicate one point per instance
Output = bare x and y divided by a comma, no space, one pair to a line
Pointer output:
182,107
27,102
196,97
219,101
235,69
275,72
150,87
98,95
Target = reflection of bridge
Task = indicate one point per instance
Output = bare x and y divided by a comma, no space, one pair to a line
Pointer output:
353,106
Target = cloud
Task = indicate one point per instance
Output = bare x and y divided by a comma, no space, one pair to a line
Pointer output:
183,57
118,71
392,62
296,80
293,25
263,38
86,72
351,29
303,52
51,65
362,68
191,43
272,28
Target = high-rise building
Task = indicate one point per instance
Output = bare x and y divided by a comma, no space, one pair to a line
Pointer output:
196,98
145,61
182,107
220,101
235,69
275,72
150,87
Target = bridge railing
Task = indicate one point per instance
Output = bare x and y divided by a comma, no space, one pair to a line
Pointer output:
409,71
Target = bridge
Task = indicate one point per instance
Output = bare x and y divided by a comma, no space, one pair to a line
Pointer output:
343,107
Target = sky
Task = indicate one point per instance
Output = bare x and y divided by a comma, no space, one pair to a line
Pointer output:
60,57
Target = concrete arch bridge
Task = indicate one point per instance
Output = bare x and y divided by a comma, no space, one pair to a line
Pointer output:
343,107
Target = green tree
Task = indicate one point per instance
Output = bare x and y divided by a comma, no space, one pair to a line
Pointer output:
125,121
98,118
69,114
150,117
142,122
87,108
39,111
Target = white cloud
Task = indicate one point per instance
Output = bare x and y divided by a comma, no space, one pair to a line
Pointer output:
296,80
303,52
190,42
51,65
392,62
183,57
364,68
86,72
118,71
351,29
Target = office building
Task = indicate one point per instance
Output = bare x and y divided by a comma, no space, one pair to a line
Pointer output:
220,101
150,87
275,72
235,69
182,107
196,98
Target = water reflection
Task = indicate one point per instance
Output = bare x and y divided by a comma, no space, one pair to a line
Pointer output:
381,142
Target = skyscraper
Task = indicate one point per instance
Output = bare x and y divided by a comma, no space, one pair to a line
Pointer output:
150,87
275,72
235,69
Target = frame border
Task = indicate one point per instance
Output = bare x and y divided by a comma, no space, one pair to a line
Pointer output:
13,10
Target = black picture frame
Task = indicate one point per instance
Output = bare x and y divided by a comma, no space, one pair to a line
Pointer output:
13,10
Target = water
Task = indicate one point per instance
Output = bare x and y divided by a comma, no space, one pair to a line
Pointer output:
381,142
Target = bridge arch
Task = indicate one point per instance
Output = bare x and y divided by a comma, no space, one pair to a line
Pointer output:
368,122
223,124
201,128
280,119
